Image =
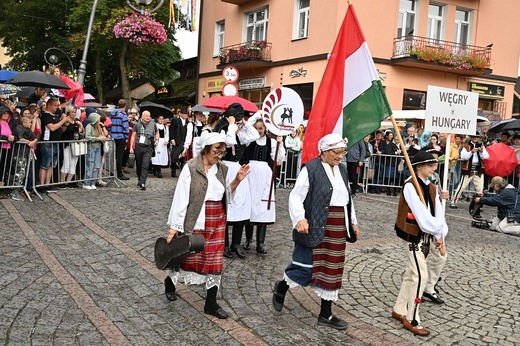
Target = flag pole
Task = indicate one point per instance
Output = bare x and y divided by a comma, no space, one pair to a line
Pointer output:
274,174
415,182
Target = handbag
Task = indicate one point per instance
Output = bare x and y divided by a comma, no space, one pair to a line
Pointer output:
78,148
400,167
106,146
131,160
170,255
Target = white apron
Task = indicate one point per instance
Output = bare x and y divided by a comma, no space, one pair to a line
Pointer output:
239,206
161,157
260,181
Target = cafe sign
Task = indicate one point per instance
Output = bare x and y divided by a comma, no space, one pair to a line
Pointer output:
490,90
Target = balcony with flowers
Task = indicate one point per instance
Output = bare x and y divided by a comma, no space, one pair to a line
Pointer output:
251,53
439,55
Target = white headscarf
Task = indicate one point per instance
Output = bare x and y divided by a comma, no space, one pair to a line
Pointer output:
332,141
209,138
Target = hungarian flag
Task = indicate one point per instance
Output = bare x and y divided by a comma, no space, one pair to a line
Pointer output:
350,100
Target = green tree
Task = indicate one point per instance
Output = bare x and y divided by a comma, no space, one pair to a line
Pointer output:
29,27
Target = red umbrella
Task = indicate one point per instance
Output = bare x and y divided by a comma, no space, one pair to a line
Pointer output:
223,102
502,160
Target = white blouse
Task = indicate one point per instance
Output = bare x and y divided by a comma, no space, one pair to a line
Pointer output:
181,198
340,196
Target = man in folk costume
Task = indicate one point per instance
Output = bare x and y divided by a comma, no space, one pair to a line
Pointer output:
416,224
238,134
473,154
178,132
323,217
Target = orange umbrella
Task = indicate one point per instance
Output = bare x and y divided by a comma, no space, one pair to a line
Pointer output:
502,160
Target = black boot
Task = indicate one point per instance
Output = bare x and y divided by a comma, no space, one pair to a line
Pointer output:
169,289
260,239
227,251
158,170
249,236
236,238
211,306
174,175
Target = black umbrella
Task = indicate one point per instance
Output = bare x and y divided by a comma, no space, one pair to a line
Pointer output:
155,109
37,79
499,127
513,125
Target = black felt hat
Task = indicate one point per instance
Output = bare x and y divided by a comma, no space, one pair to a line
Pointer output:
235,110
423,157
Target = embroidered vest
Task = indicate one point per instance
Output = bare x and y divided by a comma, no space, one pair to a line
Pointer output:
317,203
198,188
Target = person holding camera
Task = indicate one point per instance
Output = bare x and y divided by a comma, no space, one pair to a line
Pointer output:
506,199
473,155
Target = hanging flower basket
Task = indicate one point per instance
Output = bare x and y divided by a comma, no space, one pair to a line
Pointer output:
140,28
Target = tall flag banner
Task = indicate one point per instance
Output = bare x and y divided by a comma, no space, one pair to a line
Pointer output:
351,100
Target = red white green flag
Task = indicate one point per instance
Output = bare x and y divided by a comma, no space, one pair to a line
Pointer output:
351,100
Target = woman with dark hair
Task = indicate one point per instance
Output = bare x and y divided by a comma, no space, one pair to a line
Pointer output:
391,175
198,207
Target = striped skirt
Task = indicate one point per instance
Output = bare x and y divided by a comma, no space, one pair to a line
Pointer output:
210,260
328,258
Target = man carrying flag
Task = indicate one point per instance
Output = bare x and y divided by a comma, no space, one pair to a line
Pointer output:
352,106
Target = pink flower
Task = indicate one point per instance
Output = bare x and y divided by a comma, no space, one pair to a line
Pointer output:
138,28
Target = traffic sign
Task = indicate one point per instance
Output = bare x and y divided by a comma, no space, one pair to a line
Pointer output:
230,73
230,89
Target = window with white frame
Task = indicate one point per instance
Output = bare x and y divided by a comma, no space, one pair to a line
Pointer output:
219,37
256,25
435,22
301,15
406,22
462,26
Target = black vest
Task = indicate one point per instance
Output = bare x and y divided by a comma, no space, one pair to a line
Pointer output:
317,202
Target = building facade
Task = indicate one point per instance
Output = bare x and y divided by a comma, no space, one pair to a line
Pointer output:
462,44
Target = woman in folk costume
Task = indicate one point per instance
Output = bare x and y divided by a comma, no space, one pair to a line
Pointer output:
422,229
198,207
161,150
238,134
323,217
260,154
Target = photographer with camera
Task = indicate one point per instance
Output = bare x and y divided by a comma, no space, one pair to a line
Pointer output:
506,199
473,155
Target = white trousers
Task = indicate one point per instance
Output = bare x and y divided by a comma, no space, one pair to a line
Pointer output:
464,183
435,263
512,228
414,281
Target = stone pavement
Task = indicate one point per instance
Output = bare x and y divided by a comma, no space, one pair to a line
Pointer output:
77,268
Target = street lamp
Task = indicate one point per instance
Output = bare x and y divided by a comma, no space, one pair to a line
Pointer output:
144,3
53,60
82,69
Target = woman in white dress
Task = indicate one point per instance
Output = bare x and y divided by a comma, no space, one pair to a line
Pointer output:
161,150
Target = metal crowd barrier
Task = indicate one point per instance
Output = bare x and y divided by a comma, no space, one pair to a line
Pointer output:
290,169
383,171
20,165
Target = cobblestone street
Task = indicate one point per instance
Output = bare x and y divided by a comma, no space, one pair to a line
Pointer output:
77,268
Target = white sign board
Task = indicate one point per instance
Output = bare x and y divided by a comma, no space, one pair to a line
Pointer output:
251,83
451,111
230,89
230,74
282,111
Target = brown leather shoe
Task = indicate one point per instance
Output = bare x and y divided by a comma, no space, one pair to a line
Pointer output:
398,317
416,330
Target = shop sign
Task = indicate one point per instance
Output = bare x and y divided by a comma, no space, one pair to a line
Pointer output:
487,89
252,83
215,84
163,91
